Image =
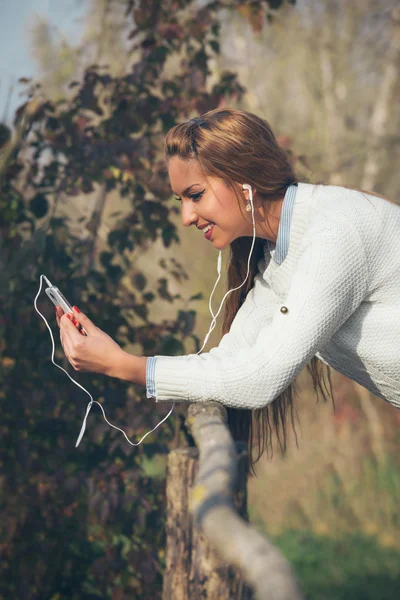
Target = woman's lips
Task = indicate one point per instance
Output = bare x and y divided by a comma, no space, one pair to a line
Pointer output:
209,233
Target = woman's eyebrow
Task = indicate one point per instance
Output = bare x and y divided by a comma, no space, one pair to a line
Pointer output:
187,190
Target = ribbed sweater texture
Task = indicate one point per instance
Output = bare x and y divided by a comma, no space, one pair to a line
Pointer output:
340,284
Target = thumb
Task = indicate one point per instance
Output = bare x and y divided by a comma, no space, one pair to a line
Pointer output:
88,325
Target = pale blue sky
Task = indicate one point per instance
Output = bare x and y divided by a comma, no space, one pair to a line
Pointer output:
15,55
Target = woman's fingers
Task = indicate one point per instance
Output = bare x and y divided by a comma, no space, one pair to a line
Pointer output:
59,314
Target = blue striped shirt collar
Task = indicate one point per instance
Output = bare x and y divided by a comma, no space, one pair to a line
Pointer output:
282,241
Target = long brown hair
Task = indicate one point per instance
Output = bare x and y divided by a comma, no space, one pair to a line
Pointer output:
239,147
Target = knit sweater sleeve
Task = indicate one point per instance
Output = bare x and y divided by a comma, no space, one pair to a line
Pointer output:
330,282
255,312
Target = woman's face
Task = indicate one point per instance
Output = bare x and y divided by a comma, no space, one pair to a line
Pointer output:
207,200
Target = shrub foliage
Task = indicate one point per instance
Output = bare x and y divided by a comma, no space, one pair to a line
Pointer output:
88,523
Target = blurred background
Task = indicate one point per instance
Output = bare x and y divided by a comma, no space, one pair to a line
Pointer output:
88,90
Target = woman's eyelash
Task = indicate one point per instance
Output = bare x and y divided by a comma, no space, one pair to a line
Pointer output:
195,197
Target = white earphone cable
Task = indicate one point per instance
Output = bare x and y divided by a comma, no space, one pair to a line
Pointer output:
212,326
213,322
89,406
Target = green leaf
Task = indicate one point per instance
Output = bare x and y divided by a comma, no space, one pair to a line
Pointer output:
114,272
186,321
198,296
139,281
149,297
163,290
172,347
215,46
39,205
105,258
141,310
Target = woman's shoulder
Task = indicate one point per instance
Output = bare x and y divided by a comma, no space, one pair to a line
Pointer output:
324,212
353,209
339,197
357,222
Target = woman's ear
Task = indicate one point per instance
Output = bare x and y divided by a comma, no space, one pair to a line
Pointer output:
246,187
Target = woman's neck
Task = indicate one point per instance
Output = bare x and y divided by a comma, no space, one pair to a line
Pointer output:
268,219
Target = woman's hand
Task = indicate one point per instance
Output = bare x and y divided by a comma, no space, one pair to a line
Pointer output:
97,352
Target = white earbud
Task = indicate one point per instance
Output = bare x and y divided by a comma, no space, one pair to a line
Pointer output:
249,205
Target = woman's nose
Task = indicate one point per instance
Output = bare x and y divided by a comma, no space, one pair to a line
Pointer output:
188,216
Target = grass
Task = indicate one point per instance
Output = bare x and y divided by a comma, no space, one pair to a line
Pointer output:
349,567
342,537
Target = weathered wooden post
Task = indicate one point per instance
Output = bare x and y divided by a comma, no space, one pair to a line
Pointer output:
211,550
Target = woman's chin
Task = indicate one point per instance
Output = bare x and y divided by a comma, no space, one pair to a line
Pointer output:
220,242
219,245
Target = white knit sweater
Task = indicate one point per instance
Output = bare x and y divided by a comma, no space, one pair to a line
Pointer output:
340,282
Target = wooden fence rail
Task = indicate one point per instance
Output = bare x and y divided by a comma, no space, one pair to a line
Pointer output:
212,552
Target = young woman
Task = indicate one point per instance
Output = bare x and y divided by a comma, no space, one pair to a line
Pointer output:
323,284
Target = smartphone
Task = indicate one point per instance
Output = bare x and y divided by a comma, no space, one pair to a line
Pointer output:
58,299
